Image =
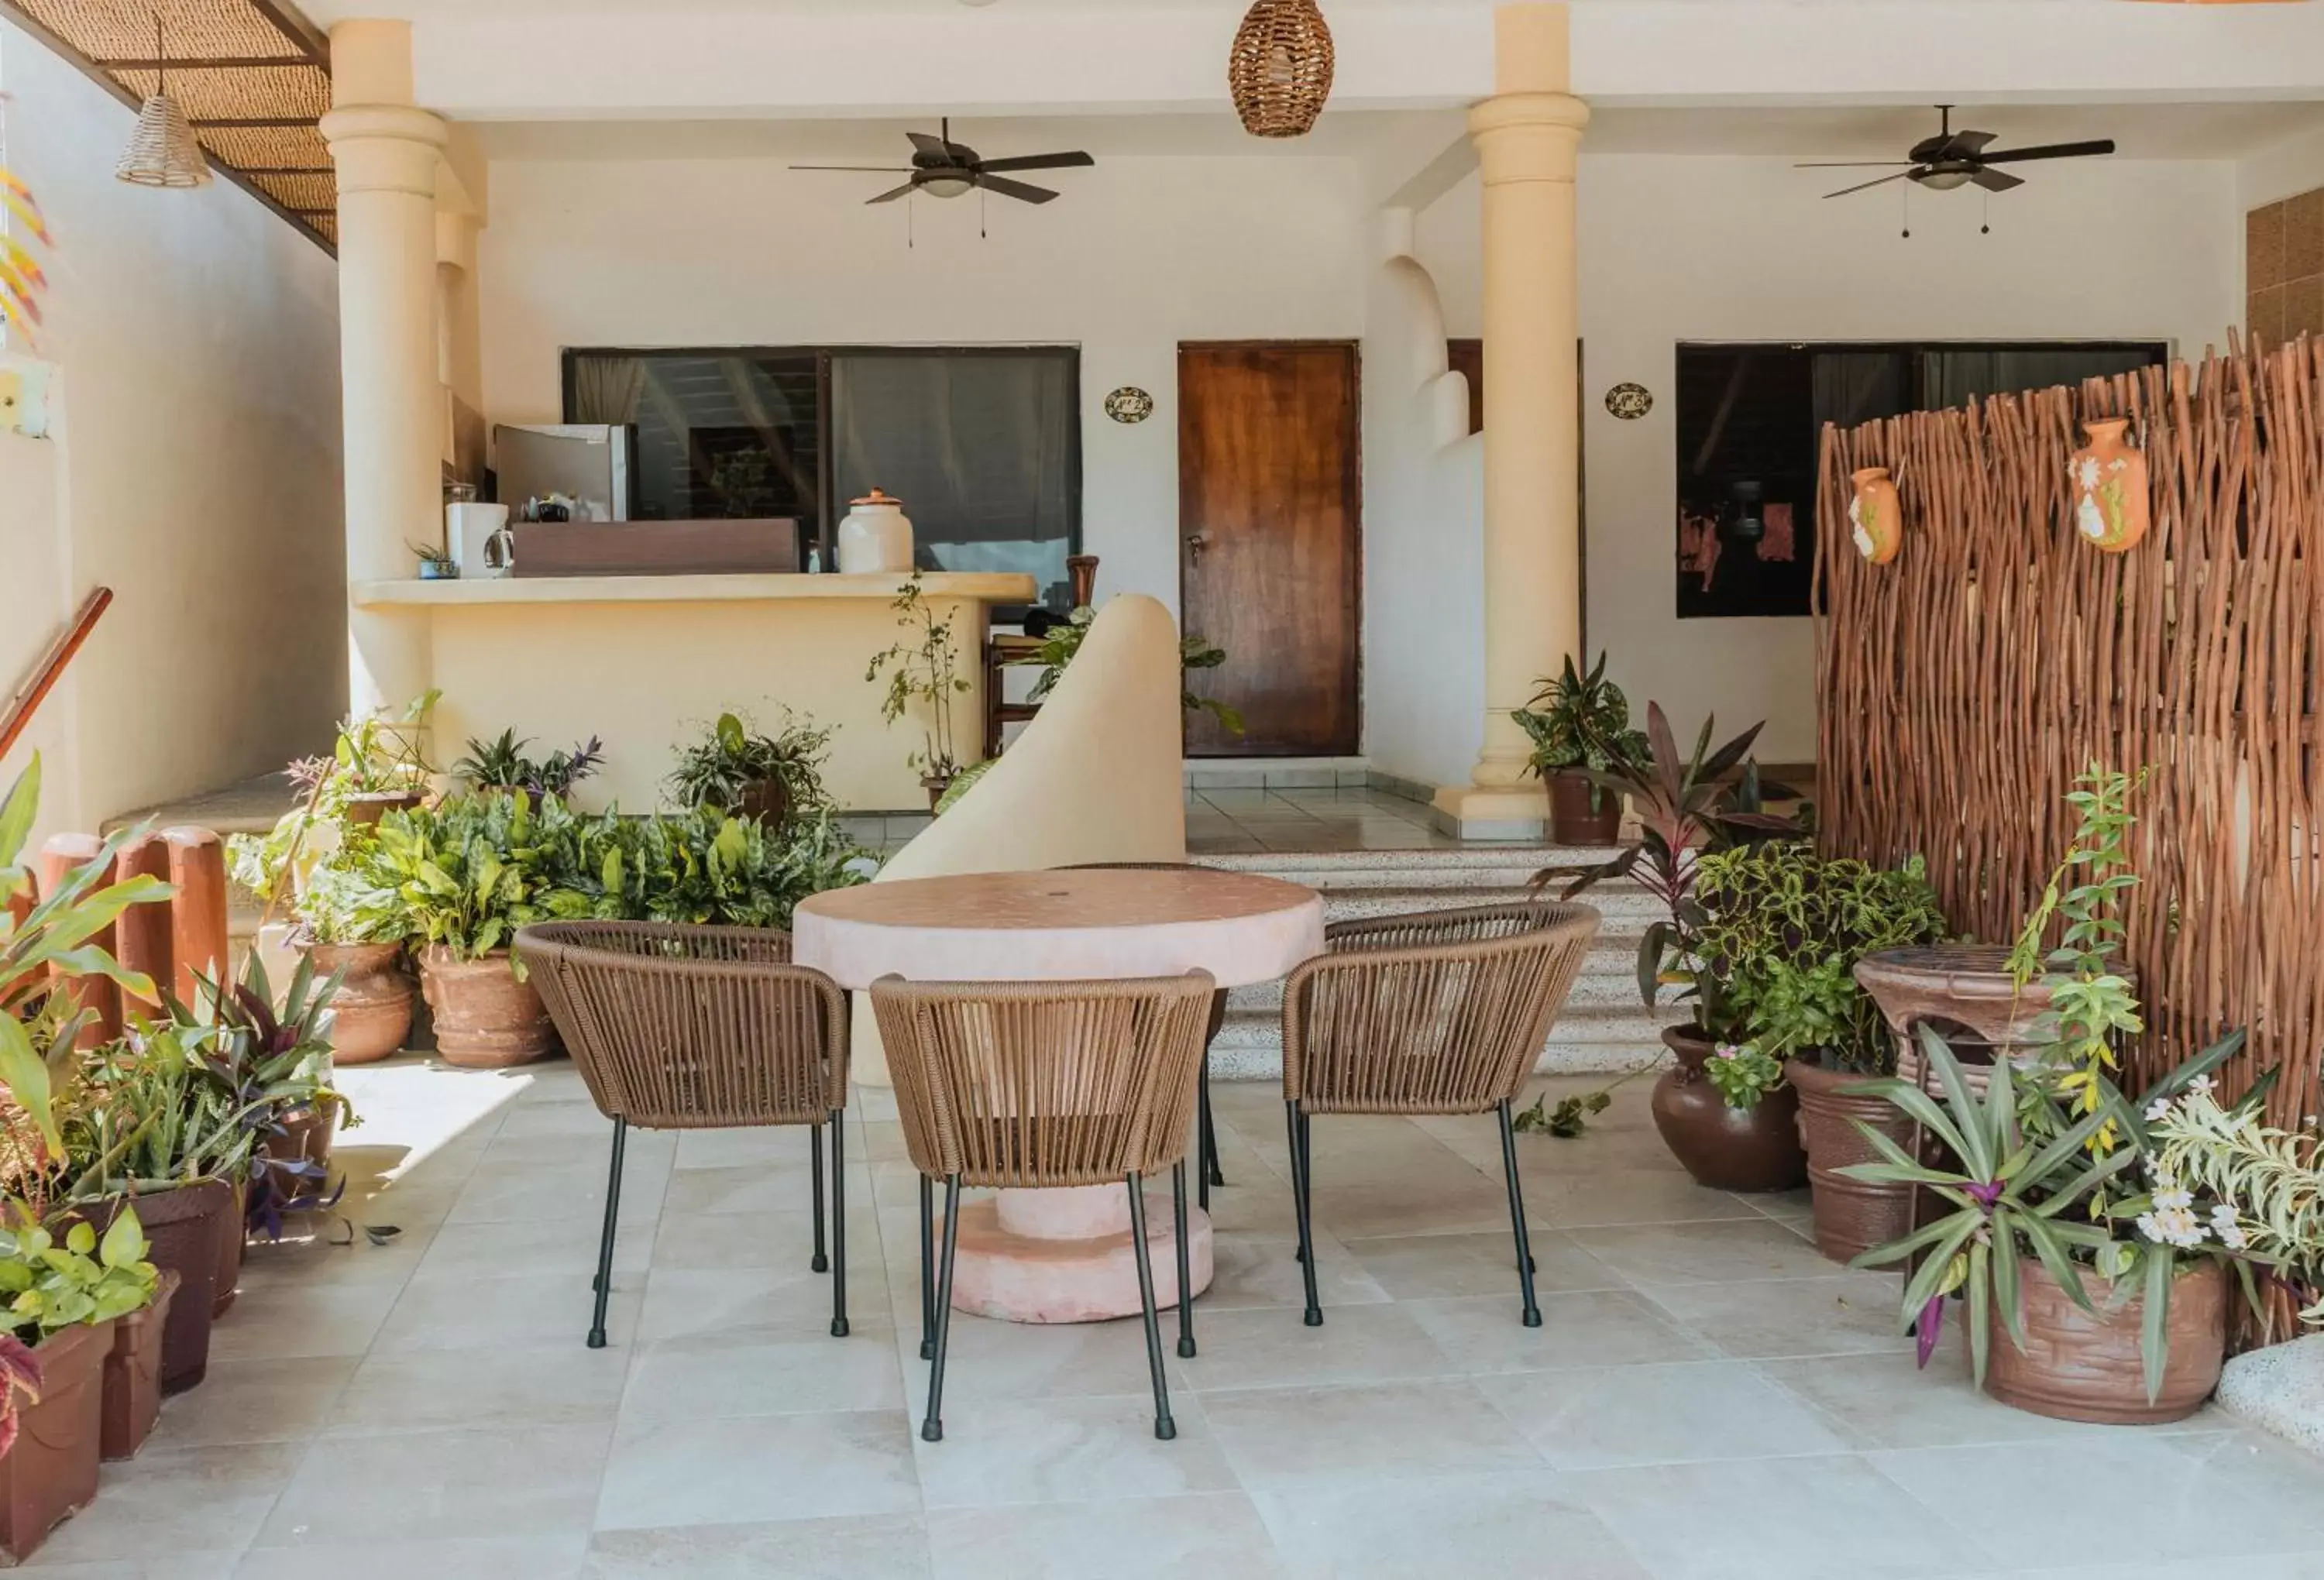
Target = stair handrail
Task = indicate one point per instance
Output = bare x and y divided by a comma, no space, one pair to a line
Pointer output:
51,668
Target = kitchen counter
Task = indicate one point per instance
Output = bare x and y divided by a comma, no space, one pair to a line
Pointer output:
982,587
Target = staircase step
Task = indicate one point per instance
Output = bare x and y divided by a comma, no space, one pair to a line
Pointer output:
1588,1038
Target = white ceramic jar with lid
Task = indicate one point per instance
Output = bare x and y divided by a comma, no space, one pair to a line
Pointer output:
875,536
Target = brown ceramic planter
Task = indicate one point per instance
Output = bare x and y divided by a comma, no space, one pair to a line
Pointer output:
1570,820
133,1374
485,1019
1726,1148
306,1136
1851,1215
370,1013
371,806
183,1227
50,1474
232,1231
2083,1365
935,784
767,801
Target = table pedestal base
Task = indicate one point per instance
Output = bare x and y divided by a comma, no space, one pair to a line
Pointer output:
1065,1256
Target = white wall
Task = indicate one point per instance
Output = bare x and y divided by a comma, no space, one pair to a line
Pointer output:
1137,256
195,468
1694,248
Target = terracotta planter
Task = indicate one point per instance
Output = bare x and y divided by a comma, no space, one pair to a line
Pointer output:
133,1374
766,802
485,1019
370,1013
306,1136
935,784
1876,520
1851,1217
1571,820
50,1474
370,807
2085,1366
183,1227
232,1231
1726,1148
2110,488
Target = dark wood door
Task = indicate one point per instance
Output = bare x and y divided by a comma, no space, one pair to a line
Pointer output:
1269,550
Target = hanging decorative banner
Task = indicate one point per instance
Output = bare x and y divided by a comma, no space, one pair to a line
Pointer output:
1875,518
2111,487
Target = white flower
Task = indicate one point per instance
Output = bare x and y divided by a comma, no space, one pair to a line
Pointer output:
2157,1109
2203,1084
1856,529
2171,1227
2087,520
2171,1199
2087,473
2224,1225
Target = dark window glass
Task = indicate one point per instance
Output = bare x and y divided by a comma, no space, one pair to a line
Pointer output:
721,436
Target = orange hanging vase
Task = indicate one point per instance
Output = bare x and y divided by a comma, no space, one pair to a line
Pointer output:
2109,478
1875,520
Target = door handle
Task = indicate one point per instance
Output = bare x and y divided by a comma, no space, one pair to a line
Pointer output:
1196,544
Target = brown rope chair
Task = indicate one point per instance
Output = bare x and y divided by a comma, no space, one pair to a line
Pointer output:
1040,1085
699,1028
1438,1012
1206,1136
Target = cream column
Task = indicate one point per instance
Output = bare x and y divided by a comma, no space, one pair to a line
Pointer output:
1527,136
386,151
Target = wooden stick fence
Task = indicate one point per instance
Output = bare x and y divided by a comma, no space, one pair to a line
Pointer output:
1965,684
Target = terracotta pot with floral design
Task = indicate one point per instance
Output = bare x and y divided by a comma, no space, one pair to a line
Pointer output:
2111,487
1875,518
1726,1148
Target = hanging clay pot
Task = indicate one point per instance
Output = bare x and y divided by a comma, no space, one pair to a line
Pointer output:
2109,478
1876,520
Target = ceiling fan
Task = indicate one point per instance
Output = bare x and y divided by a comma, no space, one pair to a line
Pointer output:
945,169
1957,158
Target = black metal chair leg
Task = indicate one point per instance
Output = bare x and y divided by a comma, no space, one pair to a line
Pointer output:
1302,1188
815,1147
1291,1140
838,1224
928,1270
1186,1258
605,1245
1517,1216
1208,1135
1163,1427
932,1429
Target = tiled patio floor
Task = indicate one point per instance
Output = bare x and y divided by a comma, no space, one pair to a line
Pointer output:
1229,823
1707,1400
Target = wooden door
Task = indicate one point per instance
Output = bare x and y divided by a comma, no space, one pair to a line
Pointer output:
1269,550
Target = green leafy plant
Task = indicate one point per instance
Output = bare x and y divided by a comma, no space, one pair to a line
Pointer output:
1742,1073
923,671
1064,640
373,756
718,770
472,871
1570,1116
50,1283
2266,1185
433,558
705,867
963,783
501,765
1581,721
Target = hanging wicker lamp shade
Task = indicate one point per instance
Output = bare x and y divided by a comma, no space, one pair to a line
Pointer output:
161,150
1279,72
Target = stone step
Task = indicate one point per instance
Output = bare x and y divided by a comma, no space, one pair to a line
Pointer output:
1609,977
1473,869
1588,1038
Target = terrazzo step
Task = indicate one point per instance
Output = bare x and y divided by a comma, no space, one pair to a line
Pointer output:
1609,977
1589,1039
1450,870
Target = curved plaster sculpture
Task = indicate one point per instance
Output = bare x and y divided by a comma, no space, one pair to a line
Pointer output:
1096,776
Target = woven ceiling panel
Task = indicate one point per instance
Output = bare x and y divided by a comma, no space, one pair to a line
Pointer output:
286,78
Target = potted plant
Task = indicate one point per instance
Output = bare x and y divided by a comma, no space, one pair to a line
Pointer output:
1063,640
63,1296
351,931
924,673
469,873
1685,804
705,867
2266,1184
1783,929
1580,725
768,779
436,564
377,766
502,765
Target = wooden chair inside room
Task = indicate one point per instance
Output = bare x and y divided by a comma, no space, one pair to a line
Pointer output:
1039,1086
1437,1012
699,1028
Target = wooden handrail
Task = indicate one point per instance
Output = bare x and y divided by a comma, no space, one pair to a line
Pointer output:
51,666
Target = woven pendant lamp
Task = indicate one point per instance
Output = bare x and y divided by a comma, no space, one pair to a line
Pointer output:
1279,72
162,151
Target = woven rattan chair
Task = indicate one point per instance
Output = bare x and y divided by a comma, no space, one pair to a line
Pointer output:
1438,1012
1206,1136
1038,1084
699,1028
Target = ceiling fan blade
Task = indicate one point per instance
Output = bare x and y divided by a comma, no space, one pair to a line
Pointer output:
1038,162
2051,150
876,169
1969,142
1018,189
934,147
893,193
1879,181
1995,180
1853,164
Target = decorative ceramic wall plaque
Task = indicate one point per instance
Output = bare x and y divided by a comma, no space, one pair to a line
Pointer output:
2110,496
1875,518
1129,404
1629,401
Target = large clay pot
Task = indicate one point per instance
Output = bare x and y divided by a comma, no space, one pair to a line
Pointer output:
370,1013
50,1474
232,1231
485,1018
2110,491
183,1227
1851,1215
305,1136
1571,820
2085,1366
369,806
766,802
1876,520
133,1374
1726,1148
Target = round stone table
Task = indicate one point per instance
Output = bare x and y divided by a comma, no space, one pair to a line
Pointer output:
1062,1255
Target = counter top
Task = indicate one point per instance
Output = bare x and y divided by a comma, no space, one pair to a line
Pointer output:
988,587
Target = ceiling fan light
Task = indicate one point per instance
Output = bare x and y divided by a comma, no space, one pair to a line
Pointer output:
1945,181
947,186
